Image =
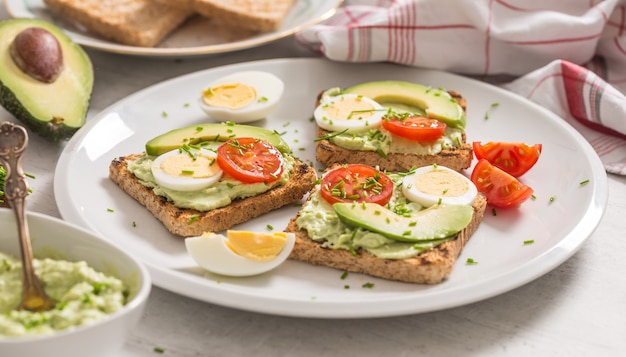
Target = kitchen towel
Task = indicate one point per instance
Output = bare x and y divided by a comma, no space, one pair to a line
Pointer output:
566,55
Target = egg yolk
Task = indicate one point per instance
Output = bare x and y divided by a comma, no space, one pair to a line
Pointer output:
185,165
232,95
349,108
441,183
256,246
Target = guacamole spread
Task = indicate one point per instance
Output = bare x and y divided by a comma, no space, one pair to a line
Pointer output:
221,194
322,224
383,142
83,296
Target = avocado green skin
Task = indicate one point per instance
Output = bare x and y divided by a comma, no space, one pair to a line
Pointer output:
435,102
50,127
433,223
194,134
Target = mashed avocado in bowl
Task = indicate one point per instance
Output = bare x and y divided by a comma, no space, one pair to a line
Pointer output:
100,291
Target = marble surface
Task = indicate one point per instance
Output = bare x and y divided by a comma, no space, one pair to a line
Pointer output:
577,309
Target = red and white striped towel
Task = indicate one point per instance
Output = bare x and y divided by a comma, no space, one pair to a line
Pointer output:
568,56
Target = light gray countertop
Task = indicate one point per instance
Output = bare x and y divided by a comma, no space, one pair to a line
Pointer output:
578,309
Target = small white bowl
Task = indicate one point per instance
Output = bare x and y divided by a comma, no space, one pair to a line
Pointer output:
106,337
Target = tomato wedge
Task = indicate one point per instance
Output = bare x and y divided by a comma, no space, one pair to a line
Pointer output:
415,127
250,160
500,188
514,158
356,183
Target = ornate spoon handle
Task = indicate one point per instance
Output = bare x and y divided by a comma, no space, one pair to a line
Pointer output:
13,142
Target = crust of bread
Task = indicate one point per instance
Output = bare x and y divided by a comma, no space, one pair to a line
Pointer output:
430,267
255,15
176,220
143,23
329,154
458,159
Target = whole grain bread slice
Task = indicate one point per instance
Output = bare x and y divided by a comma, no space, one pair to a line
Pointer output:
329,154
457,159
429,267
255,15
177,220
142,23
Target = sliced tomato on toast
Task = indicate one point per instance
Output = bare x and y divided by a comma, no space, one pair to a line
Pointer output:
250,160
356,183
415,127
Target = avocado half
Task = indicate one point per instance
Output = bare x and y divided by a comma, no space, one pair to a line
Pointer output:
53,110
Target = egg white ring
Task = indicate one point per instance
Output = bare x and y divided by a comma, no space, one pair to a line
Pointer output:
349,125
226,262
183,183
265,84
425,199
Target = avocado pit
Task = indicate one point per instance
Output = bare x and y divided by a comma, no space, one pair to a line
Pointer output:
37,53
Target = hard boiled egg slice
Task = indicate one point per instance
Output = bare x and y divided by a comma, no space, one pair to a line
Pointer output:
436,184
350,112
242,96
186,170
241,253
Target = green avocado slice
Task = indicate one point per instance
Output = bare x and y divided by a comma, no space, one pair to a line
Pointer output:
435,222
194,134
436,103
53,110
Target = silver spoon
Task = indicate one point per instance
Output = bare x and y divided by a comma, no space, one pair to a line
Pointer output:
13,142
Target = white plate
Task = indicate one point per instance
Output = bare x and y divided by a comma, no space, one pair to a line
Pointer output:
84,194
195,37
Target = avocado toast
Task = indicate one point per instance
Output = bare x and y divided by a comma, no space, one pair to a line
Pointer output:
376,145
396,240
227,201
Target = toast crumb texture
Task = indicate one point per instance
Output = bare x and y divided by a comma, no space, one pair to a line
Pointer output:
430,267
142,23
176,220
329,154
256,15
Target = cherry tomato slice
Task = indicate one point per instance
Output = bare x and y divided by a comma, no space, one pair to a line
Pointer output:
356,183
500,188
415,127
514,158
250,160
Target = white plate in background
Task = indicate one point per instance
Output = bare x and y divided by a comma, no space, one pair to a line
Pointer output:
196,37
85,194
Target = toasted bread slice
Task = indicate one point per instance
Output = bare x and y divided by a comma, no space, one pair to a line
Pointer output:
255,15
457,159
329,154
142,23
429,267
177,220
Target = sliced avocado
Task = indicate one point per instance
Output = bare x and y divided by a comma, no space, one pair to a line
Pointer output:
405,96
55,108
435,222
194,134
